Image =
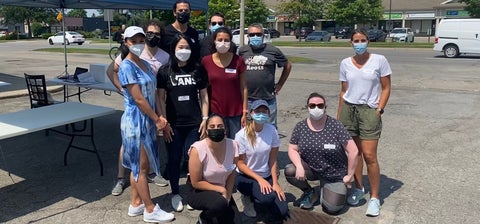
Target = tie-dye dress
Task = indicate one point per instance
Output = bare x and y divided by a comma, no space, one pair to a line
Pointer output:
136,127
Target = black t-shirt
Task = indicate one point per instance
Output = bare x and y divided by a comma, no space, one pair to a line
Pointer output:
207,46
169,34
182,90
261,63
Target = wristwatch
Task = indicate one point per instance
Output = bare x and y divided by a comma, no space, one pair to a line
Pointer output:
380,110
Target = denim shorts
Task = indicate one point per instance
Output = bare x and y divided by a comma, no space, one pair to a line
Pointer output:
361,120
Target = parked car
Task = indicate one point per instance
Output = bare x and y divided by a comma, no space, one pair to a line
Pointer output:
105,35
343,32
457,36
274,33
236,36
376,35
3,33
301,33
319,36
70,37
402,35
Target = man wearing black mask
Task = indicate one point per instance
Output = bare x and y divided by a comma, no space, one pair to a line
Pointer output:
181,12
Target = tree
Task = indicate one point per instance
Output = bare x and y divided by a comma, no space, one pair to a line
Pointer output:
349,12
21,15
230,8
255,12
303,12
79,13
473,7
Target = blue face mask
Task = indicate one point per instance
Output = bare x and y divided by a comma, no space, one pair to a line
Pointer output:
256,41
260,118
360,48
214,28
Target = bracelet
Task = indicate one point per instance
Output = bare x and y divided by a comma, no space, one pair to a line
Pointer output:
245,111
205,118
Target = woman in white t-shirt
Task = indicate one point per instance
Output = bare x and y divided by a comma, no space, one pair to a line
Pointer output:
211,165
365,82
257,163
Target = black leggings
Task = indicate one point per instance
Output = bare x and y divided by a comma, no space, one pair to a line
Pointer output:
215,208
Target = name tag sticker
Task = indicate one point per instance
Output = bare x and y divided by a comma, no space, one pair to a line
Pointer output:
230,70
329,146
183,98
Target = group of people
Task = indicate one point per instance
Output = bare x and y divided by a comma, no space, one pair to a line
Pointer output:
220,106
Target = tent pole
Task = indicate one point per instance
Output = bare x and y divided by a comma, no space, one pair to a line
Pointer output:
64,42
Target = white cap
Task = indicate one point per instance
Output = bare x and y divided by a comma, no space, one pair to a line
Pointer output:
132,31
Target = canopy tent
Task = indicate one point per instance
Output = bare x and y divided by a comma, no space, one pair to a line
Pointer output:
101,4
104,4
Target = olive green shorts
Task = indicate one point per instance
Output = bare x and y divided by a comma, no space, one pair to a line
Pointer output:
361,120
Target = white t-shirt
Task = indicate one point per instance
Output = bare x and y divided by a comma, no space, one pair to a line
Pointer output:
257,157
155,62
364,85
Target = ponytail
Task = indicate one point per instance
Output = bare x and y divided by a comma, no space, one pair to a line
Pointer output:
250,131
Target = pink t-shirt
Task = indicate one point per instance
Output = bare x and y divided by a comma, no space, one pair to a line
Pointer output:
214,172
224,91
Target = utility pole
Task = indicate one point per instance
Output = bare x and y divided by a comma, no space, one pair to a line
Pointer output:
242,22
390,17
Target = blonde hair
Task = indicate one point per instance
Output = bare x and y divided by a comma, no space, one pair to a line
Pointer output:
250,131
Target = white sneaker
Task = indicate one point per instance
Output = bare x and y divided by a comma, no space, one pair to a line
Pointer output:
136,211
190,207
373,209
248,206
177,203
157,215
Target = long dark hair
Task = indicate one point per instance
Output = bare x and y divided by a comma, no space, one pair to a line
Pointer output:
233,47
173,59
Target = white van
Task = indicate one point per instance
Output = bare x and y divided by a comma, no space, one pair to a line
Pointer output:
458,36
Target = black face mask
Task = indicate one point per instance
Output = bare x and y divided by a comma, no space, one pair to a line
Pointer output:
183,17
152,41
216,135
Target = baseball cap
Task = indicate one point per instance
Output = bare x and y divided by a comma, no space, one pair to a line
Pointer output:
257,103
132,31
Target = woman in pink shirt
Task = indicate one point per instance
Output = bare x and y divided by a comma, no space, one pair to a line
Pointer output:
211,165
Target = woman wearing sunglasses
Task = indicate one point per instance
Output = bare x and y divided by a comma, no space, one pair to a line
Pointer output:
321,149
365,89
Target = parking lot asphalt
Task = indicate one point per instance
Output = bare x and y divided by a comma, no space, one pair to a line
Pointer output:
427,152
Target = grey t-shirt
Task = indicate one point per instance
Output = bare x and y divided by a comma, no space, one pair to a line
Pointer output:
323,151
261,63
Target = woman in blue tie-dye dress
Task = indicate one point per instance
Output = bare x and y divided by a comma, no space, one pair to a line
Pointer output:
139,127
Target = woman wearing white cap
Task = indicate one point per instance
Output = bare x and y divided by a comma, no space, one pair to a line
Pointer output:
257,163
139,127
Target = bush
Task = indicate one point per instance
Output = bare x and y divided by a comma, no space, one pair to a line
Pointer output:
13,36
86,34
46,35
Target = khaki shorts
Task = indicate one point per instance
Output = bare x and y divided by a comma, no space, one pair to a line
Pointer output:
361,120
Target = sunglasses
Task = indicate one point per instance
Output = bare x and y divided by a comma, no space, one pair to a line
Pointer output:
255,34
320,105
359,41
149,33
183,10
215,23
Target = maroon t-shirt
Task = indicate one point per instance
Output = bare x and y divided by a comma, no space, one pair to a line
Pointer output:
224,90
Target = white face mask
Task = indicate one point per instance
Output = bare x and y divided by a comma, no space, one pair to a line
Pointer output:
222,47
183,54
136,49
316,113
